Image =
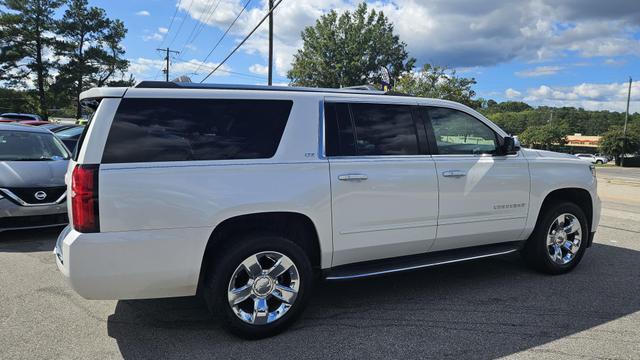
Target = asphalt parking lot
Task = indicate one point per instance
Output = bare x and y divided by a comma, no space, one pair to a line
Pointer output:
483,309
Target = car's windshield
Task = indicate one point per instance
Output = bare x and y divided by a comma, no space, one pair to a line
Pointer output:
30,146
68,133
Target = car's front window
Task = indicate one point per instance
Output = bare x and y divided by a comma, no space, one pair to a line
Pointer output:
30,146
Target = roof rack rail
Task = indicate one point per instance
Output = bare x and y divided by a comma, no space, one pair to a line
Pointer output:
367,87
364,89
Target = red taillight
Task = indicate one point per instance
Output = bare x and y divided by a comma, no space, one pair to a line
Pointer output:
84,198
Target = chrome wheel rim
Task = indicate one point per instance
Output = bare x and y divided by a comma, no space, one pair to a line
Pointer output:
263,287
564,238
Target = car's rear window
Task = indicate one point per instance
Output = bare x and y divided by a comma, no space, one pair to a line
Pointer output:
151,130
30,146
19,117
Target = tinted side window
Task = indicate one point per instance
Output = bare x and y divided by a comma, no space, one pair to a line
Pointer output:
383,129
146,130
459,133
340,138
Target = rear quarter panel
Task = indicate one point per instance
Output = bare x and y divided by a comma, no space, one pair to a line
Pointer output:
202,194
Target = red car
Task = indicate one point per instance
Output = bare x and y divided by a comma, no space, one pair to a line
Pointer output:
34,122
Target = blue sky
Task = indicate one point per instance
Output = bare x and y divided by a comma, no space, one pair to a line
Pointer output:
563,52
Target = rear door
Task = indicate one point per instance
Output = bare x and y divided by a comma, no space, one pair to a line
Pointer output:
484,197
383,182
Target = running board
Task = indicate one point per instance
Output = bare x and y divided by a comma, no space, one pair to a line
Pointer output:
412,262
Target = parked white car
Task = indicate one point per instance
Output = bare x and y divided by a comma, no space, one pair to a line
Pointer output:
593,158
245,193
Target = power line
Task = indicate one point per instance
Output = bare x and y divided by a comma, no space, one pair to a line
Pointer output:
222,70
182,23
224,34
200,25
173,18
243,41
171,23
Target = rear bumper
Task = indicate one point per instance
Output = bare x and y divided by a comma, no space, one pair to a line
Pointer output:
15,217
132,264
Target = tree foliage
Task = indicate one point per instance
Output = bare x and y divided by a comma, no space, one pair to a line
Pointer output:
26,38
615,143
574,120
91,43
349,49
438,82
544,136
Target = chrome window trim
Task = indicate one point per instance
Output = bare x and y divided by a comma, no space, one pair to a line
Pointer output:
24,203
439,156
322,137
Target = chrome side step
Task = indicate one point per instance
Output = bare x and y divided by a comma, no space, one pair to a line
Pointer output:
413,262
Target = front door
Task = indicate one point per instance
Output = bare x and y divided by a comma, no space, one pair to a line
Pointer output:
484,197
383,185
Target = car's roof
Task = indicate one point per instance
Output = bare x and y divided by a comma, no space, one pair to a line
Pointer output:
22,127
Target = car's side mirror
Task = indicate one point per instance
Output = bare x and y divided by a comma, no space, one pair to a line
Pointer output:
510,146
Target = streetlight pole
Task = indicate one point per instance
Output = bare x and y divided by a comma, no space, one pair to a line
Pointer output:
626,119
270,77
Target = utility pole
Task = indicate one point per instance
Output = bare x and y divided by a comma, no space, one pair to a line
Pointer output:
626,118
166,69
270,79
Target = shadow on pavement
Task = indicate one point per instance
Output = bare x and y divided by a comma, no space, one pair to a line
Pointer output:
33,240
482,309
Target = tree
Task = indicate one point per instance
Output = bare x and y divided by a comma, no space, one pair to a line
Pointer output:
25,40
91,43
17,101
350,49
438,82
507,106
612,142
544,136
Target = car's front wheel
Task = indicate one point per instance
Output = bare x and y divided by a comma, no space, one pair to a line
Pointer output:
599,162
559,239
259,286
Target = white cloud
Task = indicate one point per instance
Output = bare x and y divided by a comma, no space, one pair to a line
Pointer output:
163,30
143,13
591,96
539,71
452,33
259,69
148,69
614,62
512,94
152,37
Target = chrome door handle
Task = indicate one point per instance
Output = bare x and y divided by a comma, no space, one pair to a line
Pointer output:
352,177
454,173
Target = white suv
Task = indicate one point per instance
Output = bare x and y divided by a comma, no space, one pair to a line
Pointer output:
244,193
593,158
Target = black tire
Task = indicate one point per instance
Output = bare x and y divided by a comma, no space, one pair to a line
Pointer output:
220,273
599,162
536,250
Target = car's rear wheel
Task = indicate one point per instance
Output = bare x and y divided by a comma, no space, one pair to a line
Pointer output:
260,286
599,162
559,239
